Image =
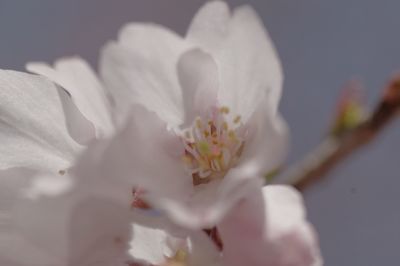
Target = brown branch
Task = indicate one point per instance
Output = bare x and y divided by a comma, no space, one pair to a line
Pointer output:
335,149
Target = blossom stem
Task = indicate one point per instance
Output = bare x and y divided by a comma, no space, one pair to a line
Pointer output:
334,149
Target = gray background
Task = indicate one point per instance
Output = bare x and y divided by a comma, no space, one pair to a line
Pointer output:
322,44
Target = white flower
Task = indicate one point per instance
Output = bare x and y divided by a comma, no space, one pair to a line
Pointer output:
269,228
209,129
47,217
201,128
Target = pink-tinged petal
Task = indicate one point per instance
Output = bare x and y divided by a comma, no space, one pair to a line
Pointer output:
267,141
198,76
144,154
246,58
141,68
270,228
39,125
77,77
77,222
208,203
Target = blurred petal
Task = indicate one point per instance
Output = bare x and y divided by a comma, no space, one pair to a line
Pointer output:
274,222
34,125
209,203
77,77
144,154
198,76
82,222
141,68
246,58
267,142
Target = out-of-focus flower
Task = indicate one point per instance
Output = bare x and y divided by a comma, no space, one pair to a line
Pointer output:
47,217
203,126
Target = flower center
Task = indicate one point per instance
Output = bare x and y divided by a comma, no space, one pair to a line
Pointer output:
213,145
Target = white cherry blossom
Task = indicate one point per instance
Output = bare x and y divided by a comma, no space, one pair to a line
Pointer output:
198,128
202,122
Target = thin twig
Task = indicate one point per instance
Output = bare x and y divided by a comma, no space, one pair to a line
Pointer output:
335,149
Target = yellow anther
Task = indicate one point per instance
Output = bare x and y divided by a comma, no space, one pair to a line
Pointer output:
180,256
224,110
203,147
179,259
237,119
212,146
232,134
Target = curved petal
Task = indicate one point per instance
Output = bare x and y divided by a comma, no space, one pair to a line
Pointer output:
80,129
33,124
82,223
144,154
76,76
141,68
198,76
209,203
273,221
246,58
267,141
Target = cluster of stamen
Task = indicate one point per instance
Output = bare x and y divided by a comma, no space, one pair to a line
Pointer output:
213,145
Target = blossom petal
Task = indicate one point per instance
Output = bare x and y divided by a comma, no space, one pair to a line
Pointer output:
150,246
85,223
274,222
209,203
34,125
76,76
267,141
246,58
198,76
141,68
210,26
203,251
144,153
